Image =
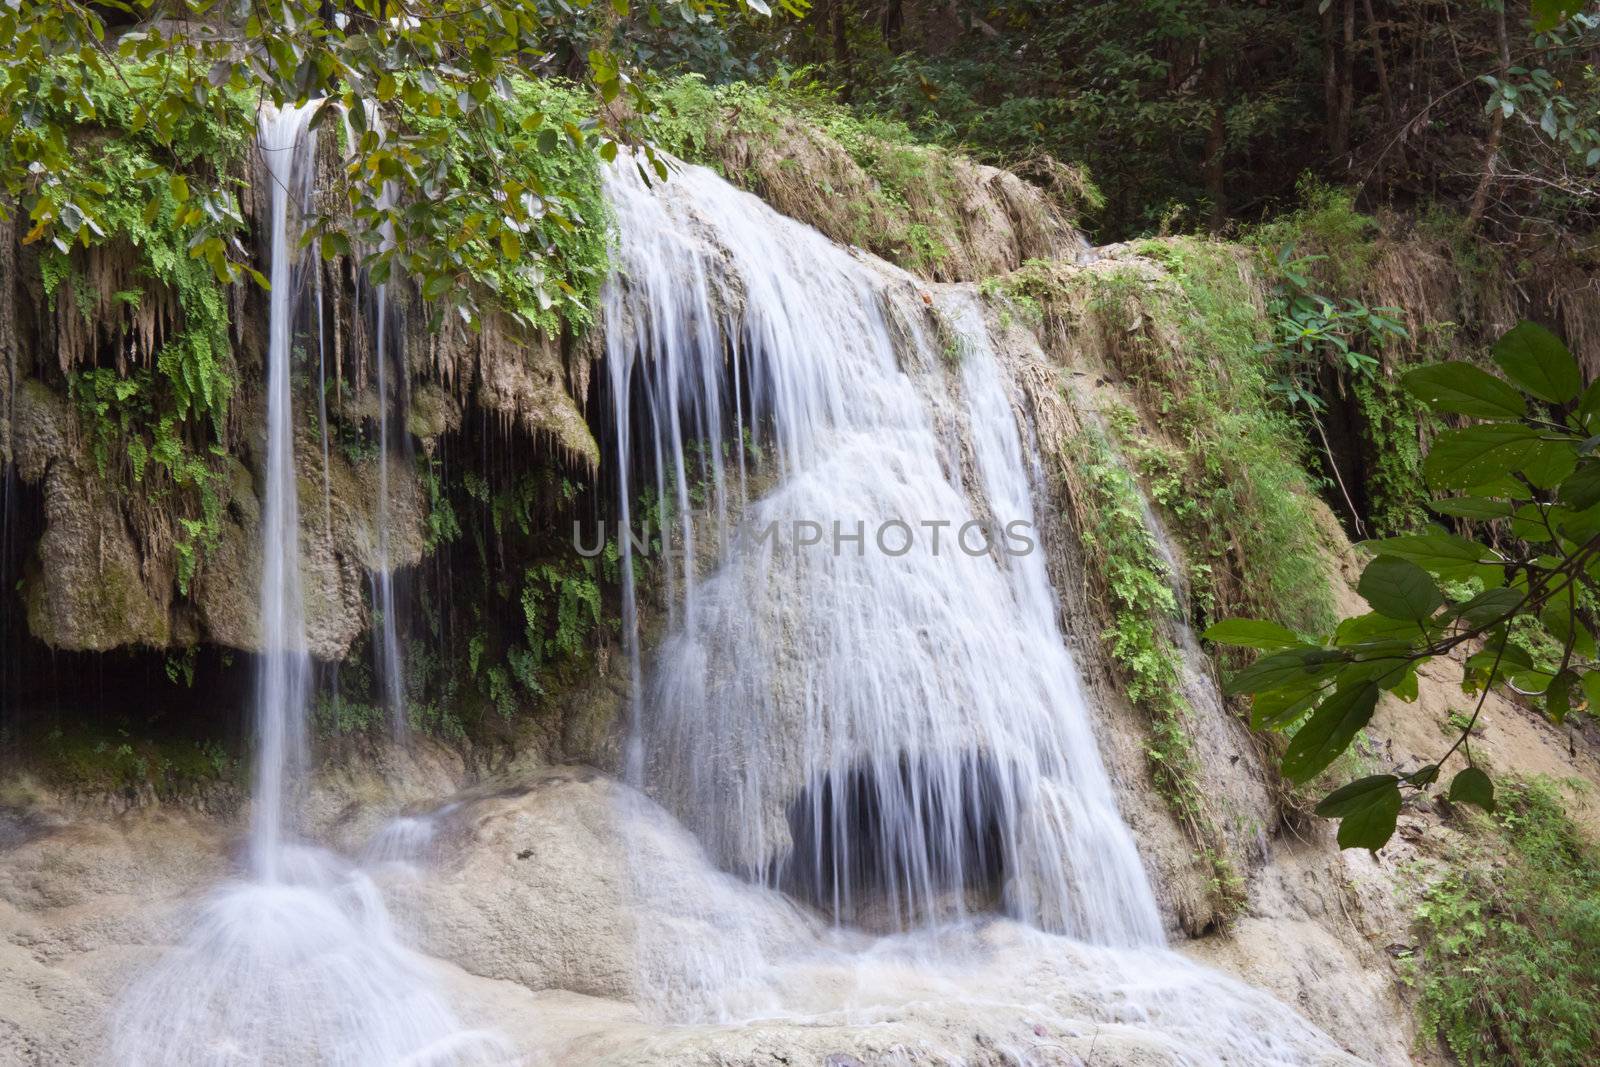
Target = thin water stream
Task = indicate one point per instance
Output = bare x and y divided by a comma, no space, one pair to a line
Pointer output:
296,962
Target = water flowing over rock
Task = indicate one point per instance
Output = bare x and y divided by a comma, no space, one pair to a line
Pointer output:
867,818
874,729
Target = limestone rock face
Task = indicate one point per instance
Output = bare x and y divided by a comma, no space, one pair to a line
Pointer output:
89,588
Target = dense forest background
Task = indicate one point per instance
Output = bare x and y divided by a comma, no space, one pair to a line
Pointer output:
1196,114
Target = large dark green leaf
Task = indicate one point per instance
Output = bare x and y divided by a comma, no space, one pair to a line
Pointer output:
1445,556
1461,459
1489,606
1472,507
1465,390
1355,796
1368,809
1372,826
1558,695
1295,665
1535,359
1251,633
1400,589
1589,414
1373,631
1581,490
1472,786
1279,709
1567,628
1329,731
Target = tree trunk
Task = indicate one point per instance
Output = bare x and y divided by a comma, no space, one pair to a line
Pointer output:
1384,92
892,23
1330,80
841,49
1214,168
1347,88
1497,126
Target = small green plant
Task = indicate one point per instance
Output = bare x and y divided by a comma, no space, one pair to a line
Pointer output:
1311,331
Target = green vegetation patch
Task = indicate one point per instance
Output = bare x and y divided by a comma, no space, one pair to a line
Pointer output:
1509,964
1121,549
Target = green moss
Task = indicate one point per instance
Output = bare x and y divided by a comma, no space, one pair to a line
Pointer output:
1121,548
1232,472
1394,422
1509,964
96,757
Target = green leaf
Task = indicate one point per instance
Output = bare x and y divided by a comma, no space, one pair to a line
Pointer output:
1589,409
1465,390
1548,14
1372,826
1591,690
1566,628
1424,775
1535,359
1281,668
1278,709
1472,507
1367,809
1374,630
1355,796
1251,633
1489,605
1329,731
1558,695
1463,458
1445,556
1581,490
1472,786
1400,589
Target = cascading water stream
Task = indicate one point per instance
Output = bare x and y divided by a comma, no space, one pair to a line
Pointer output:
389,661
284,679
298,964
895,735
893,732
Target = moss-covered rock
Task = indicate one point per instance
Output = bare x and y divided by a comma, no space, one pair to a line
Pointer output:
868,183
86,589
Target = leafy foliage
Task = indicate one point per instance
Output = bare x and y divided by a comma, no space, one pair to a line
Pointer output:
1529,464
370,66
1510,939
159,426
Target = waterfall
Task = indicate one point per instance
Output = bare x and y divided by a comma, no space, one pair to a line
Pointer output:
298,964
891,732
868,702
283,682
388,657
